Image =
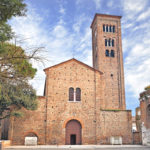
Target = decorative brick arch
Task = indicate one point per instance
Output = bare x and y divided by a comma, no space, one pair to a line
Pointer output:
73,132
30,134
27,133
73,118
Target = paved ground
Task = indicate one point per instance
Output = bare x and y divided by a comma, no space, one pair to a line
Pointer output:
81,147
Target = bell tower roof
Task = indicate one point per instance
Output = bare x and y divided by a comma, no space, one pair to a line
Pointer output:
104,15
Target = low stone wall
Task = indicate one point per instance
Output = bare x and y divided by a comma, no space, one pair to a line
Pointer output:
4,143
145,136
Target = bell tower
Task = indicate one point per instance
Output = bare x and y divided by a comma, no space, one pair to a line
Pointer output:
107,57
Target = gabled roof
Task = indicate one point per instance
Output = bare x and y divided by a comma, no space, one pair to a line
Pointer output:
73,59
104,15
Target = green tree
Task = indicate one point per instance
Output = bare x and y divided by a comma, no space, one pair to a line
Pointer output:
15,67
9,9
14,63
13,97
15,71
5,32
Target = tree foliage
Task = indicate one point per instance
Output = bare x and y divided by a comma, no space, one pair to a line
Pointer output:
15,66
14,96
11,8
14,63
15,71
5,32
147,88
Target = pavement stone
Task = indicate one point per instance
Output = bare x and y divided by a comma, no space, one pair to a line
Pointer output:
80,147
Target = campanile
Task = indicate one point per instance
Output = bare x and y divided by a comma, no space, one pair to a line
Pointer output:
107,57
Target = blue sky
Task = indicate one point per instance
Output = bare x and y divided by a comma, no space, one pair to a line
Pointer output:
63,28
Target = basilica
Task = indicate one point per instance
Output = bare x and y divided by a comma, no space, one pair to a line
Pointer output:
82,104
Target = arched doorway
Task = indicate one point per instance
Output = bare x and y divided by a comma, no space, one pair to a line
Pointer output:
73,132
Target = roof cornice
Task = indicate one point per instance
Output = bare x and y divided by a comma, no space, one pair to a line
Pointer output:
73,59
106,16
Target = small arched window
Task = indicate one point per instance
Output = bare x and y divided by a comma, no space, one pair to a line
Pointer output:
106,28
113,29
109,42
112,42
105,42
110,28
103,28
78,94
107,52
71,94
112,54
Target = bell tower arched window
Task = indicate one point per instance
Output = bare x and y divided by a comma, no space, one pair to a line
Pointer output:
112,53
103,28
106,28
107,52
109,42
105,42
112,42
110,28
113,29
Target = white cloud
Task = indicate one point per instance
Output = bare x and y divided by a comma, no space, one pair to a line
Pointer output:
124,45
128,25
30,28
83,2
59,42
97,4
144,15
133,7
137,53
136,45
110,4
137,68
62,10
59,31
78,23
137,77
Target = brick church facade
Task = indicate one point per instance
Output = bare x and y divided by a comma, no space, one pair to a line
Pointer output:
82,104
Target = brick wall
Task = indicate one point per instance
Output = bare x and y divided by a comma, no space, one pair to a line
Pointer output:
60,79
143,106
31,122
54,111
114,123
137,139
